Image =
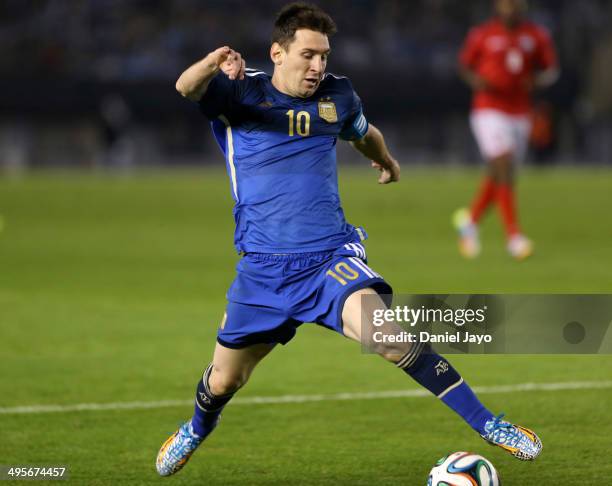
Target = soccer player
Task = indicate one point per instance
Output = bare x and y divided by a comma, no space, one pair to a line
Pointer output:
503,61
302,262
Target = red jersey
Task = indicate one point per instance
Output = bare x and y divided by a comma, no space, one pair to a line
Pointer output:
507,59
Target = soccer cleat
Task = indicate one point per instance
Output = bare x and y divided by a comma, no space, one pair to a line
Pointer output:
469,242
519,441
520,247
177,450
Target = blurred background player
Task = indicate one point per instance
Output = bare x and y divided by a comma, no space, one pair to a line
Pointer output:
503,60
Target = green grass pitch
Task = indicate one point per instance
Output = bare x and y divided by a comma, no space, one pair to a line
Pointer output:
111,289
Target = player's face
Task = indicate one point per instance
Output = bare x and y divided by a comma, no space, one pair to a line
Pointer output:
510,11
300,68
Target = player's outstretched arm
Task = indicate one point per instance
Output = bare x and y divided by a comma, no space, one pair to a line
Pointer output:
193,82
373,146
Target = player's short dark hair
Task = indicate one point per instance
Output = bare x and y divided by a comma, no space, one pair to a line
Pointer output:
300,15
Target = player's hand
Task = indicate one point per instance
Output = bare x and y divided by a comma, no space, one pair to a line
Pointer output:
529,84
229,61
388,174
478,83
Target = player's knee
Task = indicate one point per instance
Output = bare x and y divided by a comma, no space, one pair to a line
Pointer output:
392,356
408,360
502,169
392,352
223,382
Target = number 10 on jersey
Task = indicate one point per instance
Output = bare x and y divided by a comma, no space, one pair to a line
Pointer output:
299,123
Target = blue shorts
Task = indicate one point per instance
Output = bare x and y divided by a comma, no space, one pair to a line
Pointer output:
274,294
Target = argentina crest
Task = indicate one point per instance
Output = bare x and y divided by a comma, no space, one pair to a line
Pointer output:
327,110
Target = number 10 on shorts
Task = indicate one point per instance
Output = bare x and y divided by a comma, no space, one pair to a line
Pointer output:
343,272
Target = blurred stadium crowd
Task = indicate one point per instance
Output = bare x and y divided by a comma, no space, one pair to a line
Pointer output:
91,82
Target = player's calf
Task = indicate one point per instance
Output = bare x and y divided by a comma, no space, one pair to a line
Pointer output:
501,169
208,405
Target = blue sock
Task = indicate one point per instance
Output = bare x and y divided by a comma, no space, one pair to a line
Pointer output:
208,407
435,373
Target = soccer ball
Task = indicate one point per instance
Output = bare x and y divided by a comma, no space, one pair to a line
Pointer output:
463,469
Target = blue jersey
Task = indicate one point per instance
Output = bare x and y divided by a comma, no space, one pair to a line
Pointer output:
280,153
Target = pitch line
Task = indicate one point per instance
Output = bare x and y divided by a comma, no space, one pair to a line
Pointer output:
481,390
